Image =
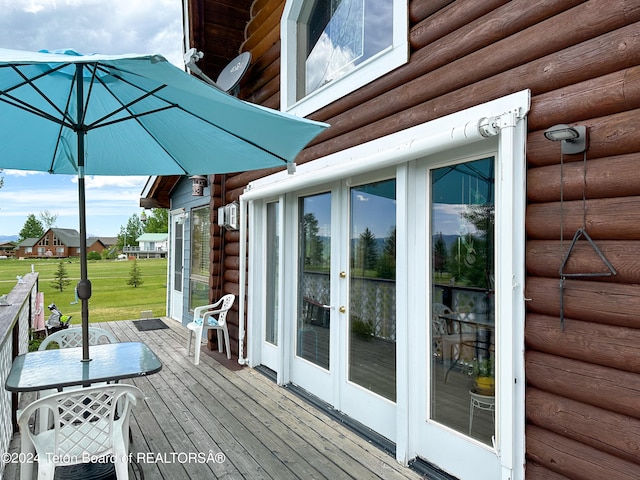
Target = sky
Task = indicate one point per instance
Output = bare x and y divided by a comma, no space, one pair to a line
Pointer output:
88,26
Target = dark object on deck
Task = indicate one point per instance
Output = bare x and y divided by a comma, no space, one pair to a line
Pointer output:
149,324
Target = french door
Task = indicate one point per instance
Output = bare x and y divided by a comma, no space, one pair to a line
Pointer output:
344,344
457,408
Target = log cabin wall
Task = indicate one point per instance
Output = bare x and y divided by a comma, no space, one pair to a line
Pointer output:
581,61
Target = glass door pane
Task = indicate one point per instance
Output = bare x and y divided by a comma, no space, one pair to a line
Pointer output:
273,272
462,323
372,299
177,255
314,260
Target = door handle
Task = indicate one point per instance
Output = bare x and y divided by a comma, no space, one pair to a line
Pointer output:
329,307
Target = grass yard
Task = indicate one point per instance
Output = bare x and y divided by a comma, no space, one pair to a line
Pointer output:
111,299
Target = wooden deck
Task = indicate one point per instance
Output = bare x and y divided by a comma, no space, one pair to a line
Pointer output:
217,421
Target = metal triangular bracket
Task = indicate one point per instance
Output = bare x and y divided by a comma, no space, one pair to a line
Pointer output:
610,270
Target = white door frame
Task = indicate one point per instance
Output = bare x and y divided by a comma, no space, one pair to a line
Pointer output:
504,117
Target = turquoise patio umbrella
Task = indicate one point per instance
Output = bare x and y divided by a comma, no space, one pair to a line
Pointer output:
63,112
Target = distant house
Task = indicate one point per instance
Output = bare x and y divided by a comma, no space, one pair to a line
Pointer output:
151,245
57,243
25,249
7,249
109,242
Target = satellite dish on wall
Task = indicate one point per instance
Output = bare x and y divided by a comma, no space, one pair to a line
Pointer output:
229,78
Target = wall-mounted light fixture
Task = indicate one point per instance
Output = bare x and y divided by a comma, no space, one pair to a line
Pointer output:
198,185
180,215
574,139
228,216
143,217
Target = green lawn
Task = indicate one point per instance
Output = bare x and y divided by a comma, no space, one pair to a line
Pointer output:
112,298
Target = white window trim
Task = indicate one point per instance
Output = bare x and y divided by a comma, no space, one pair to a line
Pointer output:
392,57
504,117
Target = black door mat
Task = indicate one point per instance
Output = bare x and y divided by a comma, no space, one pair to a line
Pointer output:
149,324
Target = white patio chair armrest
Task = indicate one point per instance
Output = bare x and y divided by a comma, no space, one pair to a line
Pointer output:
198,310
209,314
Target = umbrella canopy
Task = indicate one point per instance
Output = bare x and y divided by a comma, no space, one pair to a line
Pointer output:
63,112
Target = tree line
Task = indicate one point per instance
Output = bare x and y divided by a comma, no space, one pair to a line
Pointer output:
369,257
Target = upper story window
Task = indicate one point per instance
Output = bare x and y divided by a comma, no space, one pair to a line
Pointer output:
333,47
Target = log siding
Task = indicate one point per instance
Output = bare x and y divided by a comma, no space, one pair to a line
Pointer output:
581,61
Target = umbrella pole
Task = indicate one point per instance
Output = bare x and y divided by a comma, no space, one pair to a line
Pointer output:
84,285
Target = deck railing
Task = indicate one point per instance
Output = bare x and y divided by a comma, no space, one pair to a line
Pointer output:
131,249
374,300
15,320
145,252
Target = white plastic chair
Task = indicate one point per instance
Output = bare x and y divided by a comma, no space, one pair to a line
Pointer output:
68,338
440,330
88,424
204,319
72,337
449,340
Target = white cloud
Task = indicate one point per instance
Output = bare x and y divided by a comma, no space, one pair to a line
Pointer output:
94,182
88,26
94,26
21,173
326,62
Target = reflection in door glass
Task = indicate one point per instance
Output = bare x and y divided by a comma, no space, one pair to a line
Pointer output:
462,309
372,299
314,260
273,272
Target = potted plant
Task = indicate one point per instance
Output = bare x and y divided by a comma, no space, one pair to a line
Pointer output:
361,328
484,376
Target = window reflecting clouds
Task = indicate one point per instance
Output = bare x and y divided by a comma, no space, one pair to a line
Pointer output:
338,35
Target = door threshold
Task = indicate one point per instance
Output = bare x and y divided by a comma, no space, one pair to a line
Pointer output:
430,471
360,429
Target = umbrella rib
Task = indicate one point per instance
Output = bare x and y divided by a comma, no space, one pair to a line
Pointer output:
153,93
22,106
62,125
98,123
93,78
133,116
16,102
30,82
250,142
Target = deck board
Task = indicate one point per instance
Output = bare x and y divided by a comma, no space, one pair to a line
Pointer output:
263,431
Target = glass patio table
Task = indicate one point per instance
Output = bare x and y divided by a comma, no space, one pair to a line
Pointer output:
59,368
483,325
